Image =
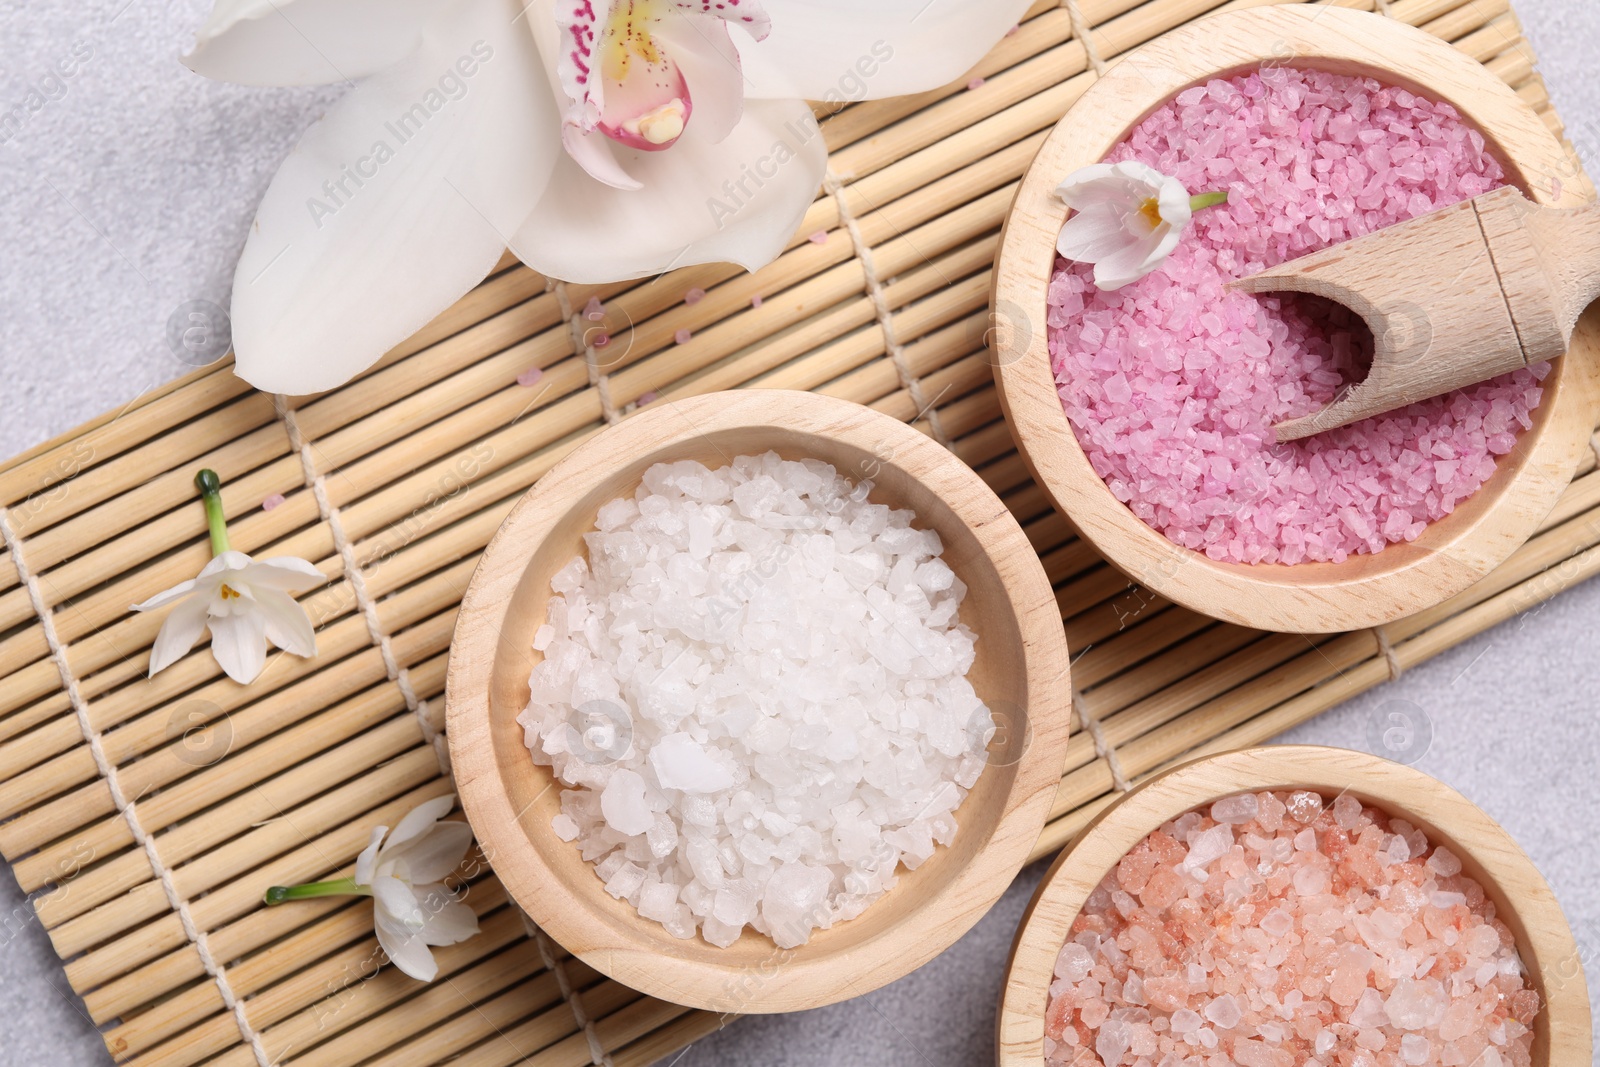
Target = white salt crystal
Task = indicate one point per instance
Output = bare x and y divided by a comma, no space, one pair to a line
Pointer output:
1416,1004
1444,863
564,827
1073,962
755,685
1414,1049
1224,1011
1112,1042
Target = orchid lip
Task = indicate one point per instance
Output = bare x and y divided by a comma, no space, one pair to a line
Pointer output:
653,130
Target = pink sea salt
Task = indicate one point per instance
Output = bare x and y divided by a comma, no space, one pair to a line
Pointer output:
682,337
530,377
1279,951
1172,384
272,501
819,238
694,296
594,311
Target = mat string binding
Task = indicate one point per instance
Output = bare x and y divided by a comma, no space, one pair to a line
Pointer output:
880,306
1102,748
358,584
598,380
598,1056
1390,656
1085,35
124,806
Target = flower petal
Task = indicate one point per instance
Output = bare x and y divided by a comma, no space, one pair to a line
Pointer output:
709,60
287,625
1131,262
837,51
448,920
421,819
307,42
177,592
395,204
367,862
179,632
231,560
285,573
1094,233
405,947
239,643
397,902
434,854
692,208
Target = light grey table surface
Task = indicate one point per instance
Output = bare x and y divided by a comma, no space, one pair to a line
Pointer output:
129,193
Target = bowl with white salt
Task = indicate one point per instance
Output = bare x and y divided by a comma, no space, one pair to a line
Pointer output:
1147,411
758,700
1294,905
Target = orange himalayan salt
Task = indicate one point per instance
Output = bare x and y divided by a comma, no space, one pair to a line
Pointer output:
1290,931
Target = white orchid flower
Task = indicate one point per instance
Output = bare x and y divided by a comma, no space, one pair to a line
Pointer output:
601,140
404,875
244,603
1127,218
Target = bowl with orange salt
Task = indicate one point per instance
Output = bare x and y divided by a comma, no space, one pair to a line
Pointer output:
1147,411
1287,906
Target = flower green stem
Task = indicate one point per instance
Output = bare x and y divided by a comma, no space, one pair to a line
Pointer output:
210,487
339,887
1205,200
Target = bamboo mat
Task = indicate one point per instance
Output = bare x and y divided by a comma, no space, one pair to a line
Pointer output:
147,817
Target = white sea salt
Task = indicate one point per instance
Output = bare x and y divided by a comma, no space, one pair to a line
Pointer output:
755,686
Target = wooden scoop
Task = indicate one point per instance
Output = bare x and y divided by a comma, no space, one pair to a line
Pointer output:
1453,298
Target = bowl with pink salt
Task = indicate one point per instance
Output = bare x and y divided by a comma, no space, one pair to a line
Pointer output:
1290,906
1146,412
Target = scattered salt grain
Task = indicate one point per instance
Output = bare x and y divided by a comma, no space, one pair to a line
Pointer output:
682,337
755,686
755,301
530,376
594,311
1172,384
649,396
694,296
272,501
819,238
1250,949
975,84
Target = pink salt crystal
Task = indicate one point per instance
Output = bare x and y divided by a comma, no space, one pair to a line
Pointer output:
682,337
530,376
600,340
1236,810
1444,863
1309,159
1288,975
272,501
819,238
648,397
975,83
1303,807
755,301
594,311
694,296
1346,811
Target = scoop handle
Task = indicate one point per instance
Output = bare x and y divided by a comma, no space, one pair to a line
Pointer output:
1568,242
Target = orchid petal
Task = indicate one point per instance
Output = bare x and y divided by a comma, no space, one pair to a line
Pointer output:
837,51
692,208
307,42
239,643
395,204
287,625
177,592
421,819
367,862
447,920
1130,263
395,900
433,855
1092,233
592,150
710,64
179,632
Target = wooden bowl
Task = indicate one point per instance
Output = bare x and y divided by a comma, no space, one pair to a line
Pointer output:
1366,590
1522,899
1021,671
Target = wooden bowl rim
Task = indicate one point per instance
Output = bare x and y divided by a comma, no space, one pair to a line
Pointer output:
796,981
1543,937
1367,590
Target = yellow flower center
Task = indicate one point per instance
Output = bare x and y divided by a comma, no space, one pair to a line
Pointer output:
627,35
1151,211
228,592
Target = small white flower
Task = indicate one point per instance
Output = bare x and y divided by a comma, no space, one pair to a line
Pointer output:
411,907
1127,218
404,875
242,602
